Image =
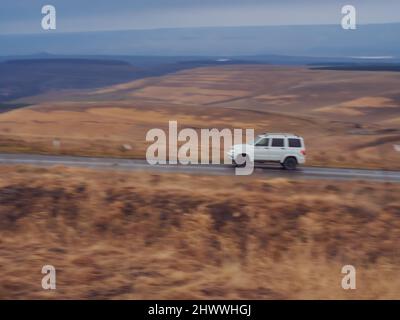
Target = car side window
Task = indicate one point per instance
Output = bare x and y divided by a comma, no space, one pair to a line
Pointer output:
264,142
278,142
294,143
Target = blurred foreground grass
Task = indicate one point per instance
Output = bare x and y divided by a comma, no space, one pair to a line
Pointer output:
133,235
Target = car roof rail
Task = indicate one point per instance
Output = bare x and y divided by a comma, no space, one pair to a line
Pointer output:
281,134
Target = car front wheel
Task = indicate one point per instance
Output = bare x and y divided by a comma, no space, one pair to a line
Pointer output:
241,160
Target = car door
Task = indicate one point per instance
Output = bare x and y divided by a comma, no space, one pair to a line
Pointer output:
277,149
261,149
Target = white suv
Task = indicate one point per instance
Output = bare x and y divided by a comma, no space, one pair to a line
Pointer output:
284,148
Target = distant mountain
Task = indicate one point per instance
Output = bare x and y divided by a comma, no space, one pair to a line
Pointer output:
19,78
40,73
378,40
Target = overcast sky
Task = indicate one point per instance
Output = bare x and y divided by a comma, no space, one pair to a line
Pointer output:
24,16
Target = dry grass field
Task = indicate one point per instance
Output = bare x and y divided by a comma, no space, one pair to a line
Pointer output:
138,236
348,118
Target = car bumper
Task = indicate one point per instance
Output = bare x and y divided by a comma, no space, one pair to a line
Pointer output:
301,160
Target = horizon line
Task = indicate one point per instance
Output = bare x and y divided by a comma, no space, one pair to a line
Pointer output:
42,32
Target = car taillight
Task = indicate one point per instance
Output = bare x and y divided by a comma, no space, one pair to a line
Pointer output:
303,152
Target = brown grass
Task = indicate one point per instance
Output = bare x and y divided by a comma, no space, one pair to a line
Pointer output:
159,236
363,111
102,130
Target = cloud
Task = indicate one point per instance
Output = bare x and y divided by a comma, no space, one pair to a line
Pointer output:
24,16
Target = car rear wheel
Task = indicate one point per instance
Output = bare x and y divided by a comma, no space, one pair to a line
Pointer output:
290,163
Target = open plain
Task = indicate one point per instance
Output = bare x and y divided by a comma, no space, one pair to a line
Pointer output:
348,118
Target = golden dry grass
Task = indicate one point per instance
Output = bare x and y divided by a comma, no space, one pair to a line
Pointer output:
101,130
356,106
357,127
159,236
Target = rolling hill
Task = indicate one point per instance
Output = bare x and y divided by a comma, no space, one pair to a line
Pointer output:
348,118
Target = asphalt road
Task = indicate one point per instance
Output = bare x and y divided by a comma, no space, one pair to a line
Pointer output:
142,165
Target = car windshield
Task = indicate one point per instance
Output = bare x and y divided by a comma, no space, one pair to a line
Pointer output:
256,140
